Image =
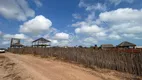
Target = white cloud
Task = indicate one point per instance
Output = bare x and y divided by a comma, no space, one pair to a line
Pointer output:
36,25
63,43
61,36
114,36
25,40
16,9
88,29
129,28
59,39
92,7
38,3
76,16
117,2
97,6
54,42
91,32
121,15
88,26
20,36
90,40
5,42
123,21
28,41
59,42
128,35
91,17
77,24
1,34
134,36
9,36
101,34
82,4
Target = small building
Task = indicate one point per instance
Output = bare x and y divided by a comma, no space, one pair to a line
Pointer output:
126,44
15,43
41,42
106,46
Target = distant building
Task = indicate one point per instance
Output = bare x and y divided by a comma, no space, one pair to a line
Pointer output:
41,42
126,44
106,46
15,43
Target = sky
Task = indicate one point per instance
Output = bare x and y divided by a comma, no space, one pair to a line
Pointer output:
71,22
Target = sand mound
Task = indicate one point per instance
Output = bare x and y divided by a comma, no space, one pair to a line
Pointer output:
12,71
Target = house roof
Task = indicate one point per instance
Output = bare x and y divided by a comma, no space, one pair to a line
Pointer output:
107,45
126,43
41,39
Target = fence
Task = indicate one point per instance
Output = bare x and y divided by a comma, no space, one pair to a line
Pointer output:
127,50
111,59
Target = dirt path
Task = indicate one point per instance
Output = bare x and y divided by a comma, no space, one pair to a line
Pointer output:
50,70
27,67
2,73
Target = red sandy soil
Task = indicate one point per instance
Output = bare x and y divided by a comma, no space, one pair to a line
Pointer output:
28,67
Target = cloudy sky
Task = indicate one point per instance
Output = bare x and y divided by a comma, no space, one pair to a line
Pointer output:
71,22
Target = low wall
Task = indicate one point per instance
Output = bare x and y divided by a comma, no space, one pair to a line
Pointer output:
115,60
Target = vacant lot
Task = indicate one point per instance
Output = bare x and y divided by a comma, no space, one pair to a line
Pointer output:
27,67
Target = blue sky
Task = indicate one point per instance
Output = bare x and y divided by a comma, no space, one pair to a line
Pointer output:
71,22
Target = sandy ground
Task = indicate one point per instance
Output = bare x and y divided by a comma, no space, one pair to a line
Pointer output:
2,73
27,67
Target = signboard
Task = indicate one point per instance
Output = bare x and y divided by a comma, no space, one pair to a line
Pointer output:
15,41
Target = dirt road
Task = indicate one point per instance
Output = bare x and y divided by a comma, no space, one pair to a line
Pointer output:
50,70
35,68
